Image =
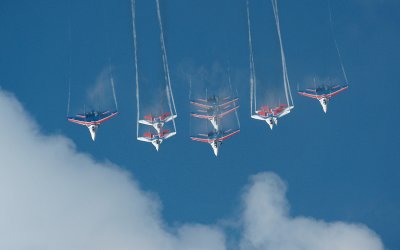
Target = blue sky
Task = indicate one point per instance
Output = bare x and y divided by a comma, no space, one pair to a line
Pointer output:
339,166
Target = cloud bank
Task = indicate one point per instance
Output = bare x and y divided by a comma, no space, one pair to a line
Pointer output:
54,198
268,225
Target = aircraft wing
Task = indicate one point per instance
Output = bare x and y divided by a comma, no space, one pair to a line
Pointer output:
145,139
201,139
259,117
202,116
229,135
168,135
145,122
169,118
337,89
284,111
79,120
228,111
201,105
264,114
278,109
105,116
228,103
312,93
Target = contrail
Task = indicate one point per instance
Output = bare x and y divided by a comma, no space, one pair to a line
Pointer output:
164,57
170,94
288,92
232,92
114,95
336,44
136,66
253,90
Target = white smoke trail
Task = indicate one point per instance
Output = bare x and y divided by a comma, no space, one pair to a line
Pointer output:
336,44
288,92
233,94
136,66
165,58
253,83
114,94
168,92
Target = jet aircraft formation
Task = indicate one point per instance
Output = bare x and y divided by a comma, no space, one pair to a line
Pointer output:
157,123
215,108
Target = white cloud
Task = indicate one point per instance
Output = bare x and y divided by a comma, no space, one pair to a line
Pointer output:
268,225
54,198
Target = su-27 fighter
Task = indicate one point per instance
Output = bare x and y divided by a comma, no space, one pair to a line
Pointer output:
214,108
271,115
215,138
156,139
92,120
157,122
324,93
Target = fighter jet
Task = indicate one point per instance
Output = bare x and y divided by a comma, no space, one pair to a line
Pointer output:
271,115
157,122
215,138
324,93
214,109
214,115
156,139
213,102
92,120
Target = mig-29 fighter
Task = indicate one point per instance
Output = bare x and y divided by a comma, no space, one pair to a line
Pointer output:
157,122
156,139
271,115
92,120
215,138
324,93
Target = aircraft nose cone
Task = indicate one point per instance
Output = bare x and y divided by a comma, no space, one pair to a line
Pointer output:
325,108
92,130
270,124
215,151
157,144
324,104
